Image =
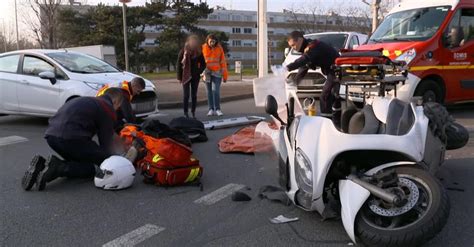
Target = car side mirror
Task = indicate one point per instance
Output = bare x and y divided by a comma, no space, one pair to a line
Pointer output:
271,107
48,75
287,51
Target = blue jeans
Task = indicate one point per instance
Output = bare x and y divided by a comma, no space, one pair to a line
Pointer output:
214,93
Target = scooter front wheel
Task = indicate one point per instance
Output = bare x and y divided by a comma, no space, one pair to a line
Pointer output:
424,213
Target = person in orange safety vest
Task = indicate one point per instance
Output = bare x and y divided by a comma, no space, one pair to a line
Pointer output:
130,89
216,71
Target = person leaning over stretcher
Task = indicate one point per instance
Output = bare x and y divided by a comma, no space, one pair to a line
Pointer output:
318,54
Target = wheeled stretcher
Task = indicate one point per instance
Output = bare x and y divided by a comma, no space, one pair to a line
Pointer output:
371,71
369,66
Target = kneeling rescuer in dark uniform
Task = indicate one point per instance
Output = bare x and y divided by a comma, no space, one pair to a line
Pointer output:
70,134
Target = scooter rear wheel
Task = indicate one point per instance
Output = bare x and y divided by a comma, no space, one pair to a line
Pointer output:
424,214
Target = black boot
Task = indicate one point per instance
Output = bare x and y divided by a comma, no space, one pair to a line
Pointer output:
186,115
194,115
31,174
53,168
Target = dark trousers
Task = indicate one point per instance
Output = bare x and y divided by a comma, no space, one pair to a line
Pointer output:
190,89
80,156
330,101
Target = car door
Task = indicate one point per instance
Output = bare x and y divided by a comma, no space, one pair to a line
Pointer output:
458,49
8,83
37,95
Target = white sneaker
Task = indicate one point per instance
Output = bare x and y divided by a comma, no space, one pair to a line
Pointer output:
210,113
219,113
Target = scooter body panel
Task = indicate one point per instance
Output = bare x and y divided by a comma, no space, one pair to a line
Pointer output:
353,196
331,142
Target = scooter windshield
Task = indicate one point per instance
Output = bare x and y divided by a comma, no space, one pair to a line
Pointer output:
276,86
266,145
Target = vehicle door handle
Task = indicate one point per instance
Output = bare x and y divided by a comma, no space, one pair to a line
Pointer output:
25,82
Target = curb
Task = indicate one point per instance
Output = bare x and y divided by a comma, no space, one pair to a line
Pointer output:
175,104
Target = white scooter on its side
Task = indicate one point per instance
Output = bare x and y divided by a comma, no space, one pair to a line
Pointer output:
380,167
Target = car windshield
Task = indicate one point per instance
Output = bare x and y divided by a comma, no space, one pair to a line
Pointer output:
410,25
337,40
80,63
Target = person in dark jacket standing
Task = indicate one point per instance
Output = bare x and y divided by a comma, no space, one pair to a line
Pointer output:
70,134
318,54
190,66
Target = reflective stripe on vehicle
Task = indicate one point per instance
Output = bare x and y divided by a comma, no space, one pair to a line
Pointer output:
441,67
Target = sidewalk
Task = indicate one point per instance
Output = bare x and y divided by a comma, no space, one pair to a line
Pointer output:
170,92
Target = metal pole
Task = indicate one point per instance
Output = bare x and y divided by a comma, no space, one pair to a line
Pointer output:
16,24
125,38
4,34
262,39
375,14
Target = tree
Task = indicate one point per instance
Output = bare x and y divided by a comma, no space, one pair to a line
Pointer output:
103,25
43,21
379,9
182,19
8,40
312,18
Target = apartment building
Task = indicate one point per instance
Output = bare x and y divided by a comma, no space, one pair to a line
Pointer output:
241,26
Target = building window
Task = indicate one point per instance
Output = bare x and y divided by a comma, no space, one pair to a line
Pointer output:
248,44
236,55
270,32
248,18
236,43
212,17
272,19
236,30
223,17
236,18
247,30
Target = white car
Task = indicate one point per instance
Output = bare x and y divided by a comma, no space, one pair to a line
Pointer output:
314,81
38,82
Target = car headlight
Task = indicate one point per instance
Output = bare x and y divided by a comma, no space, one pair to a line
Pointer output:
407,56
303,171
93,85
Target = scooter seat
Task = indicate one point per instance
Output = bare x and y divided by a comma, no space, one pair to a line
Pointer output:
361,122
400,119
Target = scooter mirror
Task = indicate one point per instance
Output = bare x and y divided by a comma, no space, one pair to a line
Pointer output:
271,107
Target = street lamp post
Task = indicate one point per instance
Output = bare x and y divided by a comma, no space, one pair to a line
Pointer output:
125,38
262,39
16,26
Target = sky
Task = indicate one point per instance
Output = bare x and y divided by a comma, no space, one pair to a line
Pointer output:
7,10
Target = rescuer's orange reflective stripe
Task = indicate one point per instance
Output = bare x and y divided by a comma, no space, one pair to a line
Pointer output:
123,85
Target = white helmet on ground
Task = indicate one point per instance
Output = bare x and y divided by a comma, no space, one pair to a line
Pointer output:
115,173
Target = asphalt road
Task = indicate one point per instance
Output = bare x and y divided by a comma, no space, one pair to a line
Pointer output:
75,213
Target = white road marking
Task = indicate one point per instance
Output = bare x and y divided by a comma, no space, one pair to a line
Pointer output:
136,236
219,194
4,141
